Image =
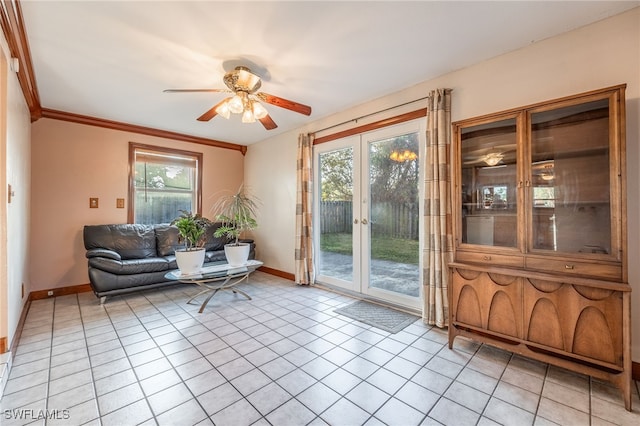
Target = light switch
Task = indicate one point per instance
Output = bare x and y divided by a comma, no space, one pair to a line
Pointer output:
120,203
93,203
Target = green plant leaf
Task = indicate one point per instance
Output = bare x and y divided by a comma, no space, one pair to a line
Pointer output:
191,229
237,214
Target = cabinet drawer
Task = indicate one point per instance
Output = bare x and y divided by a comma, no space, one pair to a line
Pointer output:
490,259
571,267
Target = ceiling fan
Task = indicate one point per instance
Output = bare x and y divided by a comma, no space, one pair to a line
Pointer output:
246,101
490,156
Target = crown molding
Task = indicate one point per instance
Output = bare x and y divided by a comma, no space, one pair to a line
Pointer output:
15,34
125,127
16,37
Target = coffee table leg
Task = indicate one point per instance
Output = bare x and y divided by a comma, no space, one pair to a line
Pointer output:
199,294
213,293
235,290
213,290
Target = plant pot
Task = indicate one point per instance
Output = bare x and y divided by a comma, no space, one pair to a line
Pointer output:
237,255
190,261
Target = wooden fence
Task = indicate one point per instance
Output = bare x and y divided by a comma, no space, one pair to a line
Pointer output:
160,208
394,220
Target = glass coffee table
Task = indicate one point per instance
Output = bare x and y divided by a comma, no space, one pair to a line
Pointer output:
216,277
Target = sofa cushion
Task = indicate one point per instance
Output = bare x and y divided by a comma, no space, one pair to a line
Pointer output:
215,256
106,284
214,243
130,241
101,252
130,266
167,240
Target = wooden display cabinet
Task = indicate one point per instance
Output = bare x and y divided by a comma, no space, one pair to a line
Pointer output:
540,263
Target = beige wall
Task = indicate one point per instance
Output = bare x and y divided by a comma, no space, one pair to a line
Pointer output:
603,54
73,162
14,218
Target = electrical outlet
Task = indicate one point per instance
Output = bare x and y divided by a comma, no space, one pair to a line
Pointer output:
50,293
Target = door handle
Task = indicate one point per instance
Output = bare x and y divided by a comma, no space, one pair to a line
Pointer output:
355,221
365,221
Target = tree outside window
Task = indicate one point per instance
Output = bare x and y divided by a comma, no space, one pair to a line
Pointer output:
163,182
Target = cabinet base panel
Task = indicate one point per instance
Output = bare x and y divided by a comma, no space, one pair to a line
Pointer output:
622,379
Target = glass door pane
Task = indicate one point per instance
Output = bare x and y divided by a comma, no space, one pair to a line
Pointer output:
489,184
393,215
367,213
335,196
570,179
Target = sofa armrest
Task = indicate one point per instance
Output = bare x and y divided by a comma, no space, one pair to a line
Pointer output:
109,254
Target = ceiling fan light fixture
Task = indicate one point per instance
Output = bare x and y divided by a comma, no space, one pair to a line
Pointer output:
493,158
223,109
235,104
258,110
547,176
248,117
243,84
402,156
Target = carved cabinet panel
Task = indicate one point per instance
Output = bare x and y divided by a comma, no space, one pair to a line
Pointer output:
575,319
488,301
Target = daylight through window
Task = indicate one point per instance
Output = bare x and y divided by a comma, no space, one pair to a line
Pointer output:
163,182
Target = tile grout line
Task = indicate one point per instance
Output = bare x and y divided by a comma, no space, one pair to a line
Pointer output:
453,380
169,309
351,322
391,396
88,357
53,318
126,355
173,367
213,366
93,380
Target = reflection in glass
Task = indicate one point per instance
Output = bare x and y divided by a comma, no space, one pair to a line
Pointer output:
570,179
394,214
489,184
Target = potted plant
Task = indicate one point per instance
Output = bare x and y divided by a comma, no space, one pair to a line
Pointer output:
191,231
236,212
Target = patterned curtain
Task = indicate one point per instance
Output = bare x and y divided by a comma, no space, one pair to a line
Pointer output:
305,273
438,240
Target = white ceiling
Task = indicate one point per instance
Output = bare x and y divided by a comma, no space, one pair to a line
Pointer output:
112,59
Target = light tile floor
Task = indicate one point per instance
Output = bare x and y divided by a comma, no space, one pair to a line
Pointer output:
283,358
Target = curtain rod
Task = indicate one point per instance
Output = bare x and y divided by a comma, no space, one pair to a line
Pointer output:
370,114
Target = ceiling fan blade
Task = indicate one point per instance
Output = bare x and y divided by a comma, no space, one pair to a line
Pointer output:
284,103
211,113
194,90
268,122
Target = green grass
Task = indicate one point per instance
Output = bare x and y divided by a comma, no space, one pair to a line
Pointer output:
382,248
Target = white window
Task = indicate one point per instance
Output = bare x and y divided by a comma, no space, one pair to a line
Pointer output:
544,196
163,181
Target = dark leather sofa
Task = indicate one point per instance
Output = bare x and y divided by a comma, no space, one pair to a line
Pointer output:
130,257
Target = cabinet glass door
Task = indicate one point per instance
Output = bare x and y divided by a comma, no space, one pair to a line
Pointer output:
489,183
570,179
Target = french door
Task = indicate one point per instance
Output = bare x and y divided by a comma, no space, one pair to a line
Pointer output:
367,213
